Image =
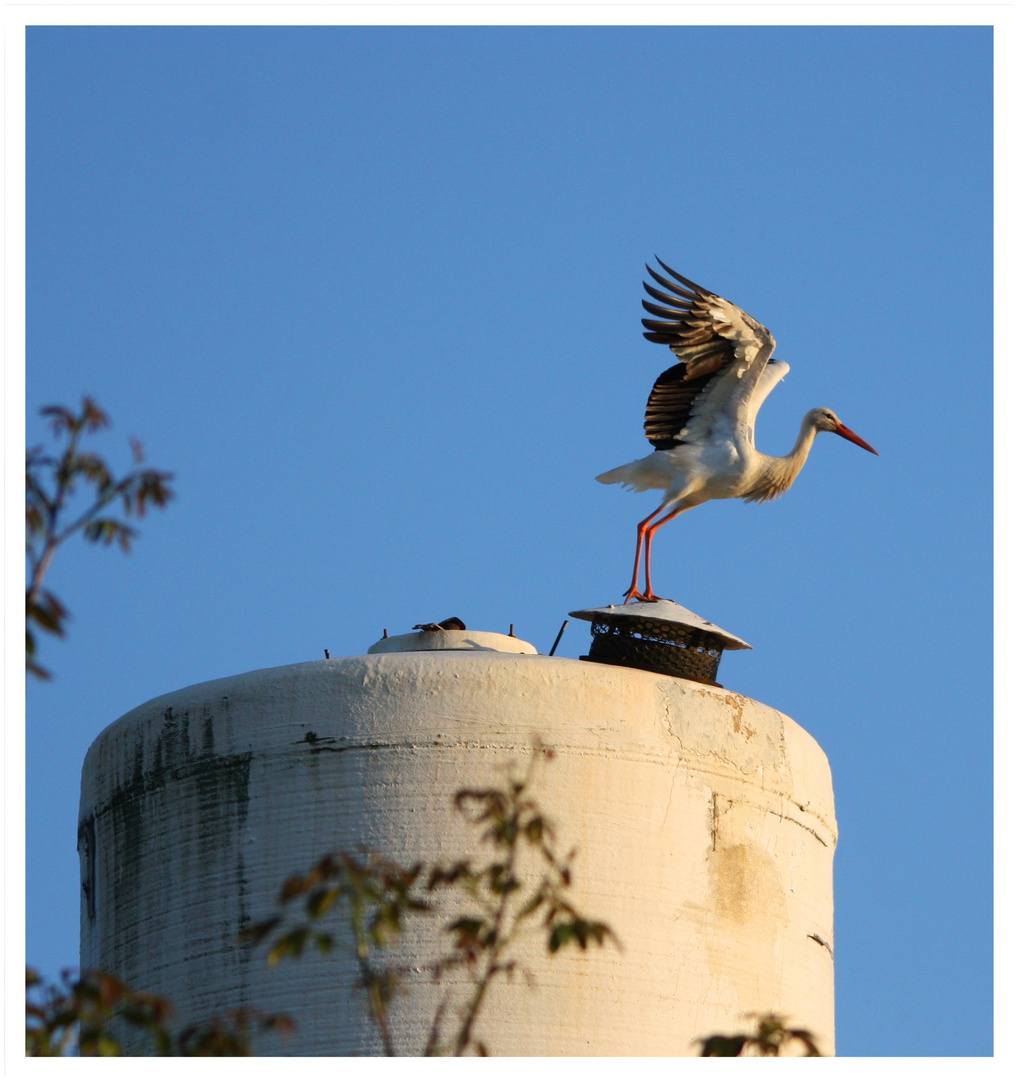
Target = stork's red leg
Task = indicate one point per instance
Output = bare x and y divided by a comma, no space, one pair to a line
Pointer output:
649,594
641,534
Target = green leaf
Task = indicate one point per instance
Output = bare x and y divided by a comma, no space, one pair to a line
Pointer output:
290,944
467,926
293,887
723,1045
560,935
450,875
322,900
255,933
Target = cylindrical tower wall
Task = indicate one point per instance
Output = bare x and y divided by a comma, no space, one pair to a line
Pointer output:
703,820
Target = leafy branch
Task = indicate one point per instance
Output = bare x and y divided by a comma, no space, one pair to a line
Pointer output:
82,1014
500,903
51,480
379,895
505,903
769,1039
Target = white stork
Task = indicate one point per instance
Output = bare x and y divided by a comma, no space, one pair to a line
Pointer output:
701,413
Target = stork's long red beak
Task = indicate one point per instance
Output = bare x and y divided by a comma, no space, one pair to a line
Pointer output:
847,433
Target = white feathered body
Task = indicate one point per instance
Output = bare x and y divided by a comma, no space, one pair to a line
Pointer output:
719,459
709,470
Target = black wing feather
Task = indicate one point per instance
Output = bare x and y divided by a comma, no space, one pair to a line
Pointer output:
670,285
664,312
684,280
688,326
670,405
663,296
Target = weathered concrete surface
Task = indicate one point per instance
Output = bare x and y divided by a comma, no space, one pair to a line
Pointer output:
704,822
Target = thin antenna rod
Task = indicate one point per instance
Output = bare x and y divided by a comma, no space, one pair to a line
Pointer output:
558,638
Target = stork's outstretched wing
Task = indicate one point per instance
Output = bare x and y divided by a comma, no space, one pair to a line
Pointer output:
723,352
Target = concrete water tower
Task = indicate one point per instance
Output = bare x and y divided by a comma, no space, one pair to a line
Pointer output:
704,822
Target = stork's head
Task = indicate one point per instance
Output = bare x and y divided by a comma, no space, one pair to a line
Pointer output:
827,420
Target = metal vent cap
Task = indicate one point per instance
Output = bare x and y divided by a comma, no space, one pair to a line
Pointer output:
659,636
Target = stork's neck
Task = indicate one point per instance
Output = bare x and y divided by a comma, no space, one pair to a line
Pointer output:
794,461
779,472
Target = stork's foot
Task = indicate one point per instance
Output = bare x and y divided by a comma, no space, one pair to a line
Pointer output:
647,598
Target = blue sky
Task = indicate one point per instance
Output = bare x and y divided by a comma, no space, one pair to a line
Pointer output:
373,295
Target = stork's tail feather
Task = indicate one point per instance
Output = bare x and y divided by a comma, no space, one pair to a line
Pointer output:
631,475
615,476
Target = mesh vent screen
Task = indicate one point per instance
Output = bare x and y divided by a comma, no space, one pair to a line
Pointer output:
657,646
